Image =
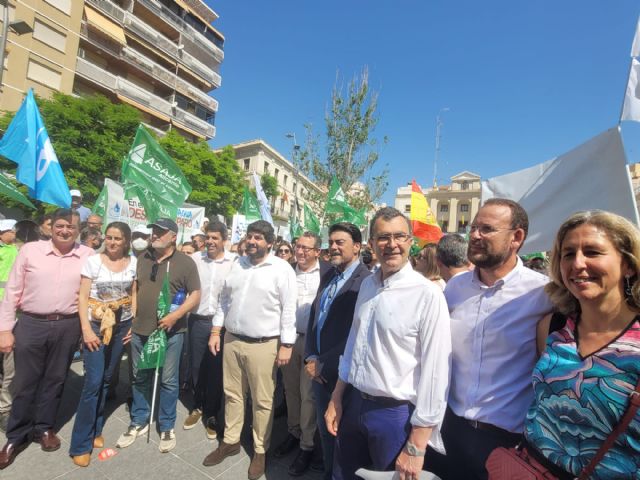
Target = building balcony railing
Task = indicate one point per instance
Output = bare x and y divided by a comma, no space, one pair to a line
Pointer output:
124,87
157,40
144,63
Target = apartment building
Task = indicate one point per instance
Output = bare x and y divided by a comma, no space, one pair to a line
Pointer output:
260,157
161,56
455,205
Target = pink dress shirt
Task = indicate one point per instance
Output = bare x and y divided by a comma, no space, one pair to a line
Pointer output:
42,282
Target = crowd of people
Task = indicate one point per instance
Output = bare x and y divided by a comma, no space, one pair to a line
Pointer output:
458,358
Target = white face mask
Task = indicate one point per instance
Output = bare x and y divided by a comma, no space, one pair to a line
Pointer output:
139,244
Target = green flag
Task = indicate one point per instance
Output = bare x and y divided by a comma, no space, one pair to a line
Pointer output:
311,222
250,208
100,207
154,206
154,351
150,167
10,190
336,201
295,230
164,299
351,215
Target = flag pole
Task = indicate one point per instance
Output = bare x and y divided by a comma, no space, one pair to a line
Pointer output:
153,397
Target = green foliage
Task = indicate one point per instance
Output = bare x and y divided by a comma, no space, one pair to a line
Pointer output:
216,179
269,185
351,148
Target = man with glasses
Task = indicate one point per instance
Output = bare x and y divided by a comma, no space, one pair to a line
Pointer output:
494,312
161,261
390,399
330,319
43,287
301,412
257,308
94,221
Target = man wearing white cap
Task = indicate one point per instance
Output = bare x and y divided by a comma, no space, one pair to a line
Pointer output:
76,205
8,254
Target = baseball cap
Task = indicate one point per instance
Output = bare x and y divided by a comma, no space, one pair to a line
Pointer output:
165,224
75,193
7,224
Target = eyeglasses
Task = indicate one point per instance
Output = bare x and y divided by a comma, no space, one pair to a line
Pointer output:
304,249
397,237
486,230
154,272
283,250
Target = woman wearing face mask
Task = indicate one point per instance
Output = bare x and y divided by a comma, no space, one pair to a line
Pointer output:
106,303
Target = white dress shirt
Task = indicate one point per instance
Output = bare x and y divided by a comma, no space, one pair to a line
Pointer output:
494,345
259,300
212,273
308,283
399,345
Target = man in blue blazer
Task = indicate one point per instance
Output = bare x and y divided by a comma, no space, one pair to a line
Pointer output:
330,321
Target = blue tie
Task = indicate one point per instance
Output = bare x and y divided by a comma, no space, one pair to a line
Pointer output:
326,300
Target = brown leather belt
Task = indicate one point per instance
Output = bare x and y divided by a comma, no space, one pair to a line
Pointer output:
384,401
244,338
51,316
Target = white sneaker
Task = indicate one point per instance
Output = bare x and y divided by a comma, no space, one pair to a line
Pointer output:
133,432
167,441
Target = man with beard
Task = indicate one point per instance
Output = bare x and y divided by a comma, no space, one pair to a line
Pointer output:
494,312
258,310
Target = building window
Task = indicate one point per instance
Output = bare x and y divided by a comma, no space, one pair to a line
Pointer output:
462,226
49,36
444,208
445,226
42,74
62,5
281,203
266,167
276,173
407,208
247,162
464,207
286,179
464,185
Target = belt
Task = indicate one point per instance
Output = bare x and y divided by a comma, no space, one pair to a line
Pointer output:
487,427
51,316
196,316
244,338
384,401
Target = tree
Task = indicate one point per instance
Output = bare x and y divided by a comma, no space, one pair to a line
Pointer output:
90,136
216,179
269,185
351,148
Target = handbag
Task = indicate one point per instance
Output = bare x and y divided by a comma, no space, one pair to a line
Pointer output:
517,464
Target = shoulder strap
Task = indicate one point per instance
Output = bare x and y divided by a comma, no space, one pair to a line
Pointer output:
632,408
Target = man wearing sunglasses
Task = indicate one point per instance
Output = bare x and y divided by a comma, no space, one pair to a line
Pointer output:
161,261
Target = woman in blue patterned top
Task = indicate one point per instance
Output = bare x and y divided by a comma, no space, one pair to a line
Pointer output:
590,365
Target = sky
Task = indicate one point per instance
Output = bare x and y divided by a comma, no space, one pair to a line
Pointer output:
524,81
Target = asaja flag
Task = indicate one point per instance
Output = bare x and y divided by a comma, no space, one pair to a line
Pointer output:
154,351
154,206
100,207
311,222
423,221
249,207
150,167
27,143
9,189
336,200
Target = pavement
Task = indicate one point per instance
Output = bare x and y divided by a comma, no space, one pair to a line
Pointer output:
142,459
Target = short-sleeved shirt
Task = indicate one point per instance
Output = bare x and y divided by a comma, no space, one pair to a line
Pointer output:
108,286
182,274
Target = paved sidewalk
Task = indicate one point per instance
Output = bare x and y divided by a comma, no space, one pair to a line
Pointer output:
141,460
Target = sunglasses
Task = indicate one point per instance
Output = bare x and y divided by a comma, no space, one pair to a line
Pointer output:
154,272
283,250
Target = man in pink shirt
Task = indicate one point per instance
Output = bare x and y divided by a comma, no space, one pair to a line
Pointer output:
42,292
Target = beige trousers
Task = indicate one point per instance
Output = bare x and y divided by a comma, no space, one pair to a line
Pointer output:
252,367
301,408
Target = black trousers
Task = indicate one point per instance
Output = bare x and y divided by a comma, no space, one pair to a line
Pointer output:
467,449
206,369
43,353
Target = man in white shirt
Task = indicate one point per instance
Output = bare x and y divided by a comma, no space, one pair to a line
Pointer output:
451,256
301,412
494,312
258,310
214,264
395,366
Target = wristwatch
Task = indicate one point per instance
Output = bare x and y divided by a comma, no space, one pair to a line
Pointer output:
287,345
413,450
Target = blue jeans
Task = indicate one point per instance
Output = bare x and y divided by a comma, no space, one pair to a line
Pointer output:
99,367
169,385
321,397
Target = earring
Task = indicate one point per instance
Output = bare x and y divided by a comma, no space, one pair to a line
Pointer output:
627,286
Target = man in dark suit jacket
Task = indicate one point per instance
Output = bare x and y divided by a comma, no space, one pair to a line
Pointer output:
330,321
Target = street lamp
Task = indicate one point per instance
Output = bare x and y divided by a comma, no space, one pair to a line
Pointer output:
19,27
439,124
294,152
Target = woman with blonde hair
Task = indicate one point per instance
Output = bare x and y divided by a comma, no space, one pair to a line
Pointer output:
425,263
586,381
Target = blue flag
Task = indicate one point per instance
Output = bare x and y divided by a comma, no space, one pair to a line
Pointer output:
27,143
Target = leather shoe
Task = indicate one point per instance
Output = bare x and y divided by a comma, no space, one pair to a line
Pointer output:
98,442
9,453
287,446
256,468
223,451
301,463
82,460
49,441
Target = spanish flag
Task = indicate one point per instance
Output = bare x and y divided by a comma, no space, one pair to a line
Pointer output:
423,221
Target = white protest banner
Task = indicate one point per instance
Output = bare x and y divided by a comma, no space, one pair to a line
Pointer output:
238,228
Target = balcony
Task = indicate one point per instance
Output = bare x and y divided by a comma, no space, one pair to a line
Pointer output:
147,101
157,40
